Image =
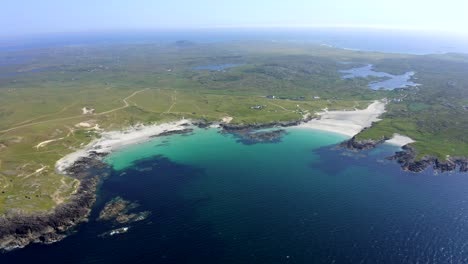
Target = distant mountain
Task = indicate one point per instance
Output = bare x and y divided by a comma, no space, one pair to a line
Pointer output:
184,43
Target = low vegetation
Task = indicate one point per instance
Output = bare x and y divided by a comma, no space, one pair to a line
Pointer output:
43,92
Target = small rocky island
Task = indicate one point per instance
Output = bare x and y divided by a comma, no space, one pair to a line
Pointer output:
118,211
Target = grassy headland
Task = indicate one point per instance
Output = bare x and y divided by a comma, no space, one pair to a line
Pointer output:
43,91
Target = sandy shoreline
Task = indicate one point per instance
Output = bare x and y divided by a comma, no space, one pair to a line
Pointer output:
114,140
348,123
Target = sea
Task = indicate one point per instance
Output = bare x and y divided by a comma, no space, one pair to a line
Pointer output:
214,199
379,40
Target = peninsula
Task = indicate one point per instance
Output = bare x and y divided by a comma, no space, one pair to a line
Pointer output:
62,109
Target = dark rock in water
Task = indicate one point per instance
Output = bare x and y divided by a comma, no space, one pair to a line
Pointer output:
407,157
407,160
117,210
114,208
249,137
174,132
361,144
201,123
236,127
263,137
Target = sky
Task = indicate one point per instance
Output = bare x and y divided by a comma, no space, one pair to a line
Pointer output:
23,17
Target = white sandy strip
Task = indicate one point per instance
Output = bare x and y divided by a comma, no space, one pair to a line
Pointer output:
113,140
400,140
347,123
44,143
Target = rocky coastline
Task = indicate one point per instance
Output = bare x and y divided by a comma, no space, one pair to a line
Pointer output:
240,127
174,132
407,157
251,134
19,229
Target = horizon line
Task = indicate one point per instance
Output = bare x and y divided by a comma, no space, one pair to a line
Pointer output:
241,27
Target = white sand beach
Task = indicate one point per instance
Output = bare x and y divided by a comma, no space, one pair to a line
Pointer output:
347,123
400,140
113,140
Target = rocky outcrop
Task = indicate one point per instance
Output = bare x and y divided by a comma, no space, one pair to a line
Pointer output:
174,132
408,161
249,137
117,210
236,127
355,144
407,157
249,134
19,229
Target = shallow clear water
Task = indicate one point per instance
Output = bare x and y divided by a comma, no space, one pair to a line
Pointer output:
389,82
215,200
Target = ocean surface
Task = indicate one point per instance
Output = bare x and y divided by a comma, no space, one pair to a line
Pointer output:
214,199
393,41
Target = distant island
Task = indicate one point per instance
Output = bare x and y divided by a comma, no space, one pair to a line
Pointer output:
63,109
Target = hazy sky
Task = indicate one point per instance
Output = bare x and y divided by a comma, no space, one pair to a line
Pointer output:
19,17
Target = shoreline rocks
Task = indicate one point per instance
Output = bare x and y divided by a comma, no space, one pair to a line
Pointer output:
249,137
361,144
407,160
237,127
19,229
407,157
118,211
249,134
173,132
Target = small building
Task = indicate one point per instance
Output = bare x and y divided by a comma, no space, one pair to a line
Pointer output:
271,97
316,97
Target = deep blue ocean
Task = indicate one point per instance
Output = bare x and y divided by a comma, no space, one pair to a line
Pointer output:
214,199
393,41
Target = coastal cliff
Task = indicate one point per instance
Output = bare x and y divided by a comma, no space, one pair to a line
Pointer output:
19,229
407,157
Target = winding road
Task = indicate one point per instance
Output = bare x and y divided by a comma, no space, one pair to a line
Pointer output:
126,104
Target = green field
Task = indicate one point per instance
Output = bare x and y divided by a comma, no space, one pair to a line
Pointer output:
43,92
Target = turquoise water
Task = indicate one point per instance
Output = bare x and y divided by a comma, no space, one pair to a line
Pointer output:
209,147
302,200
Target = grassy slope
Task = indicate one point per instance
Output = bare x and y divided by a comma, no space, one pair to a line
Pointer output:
433,114
42,99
